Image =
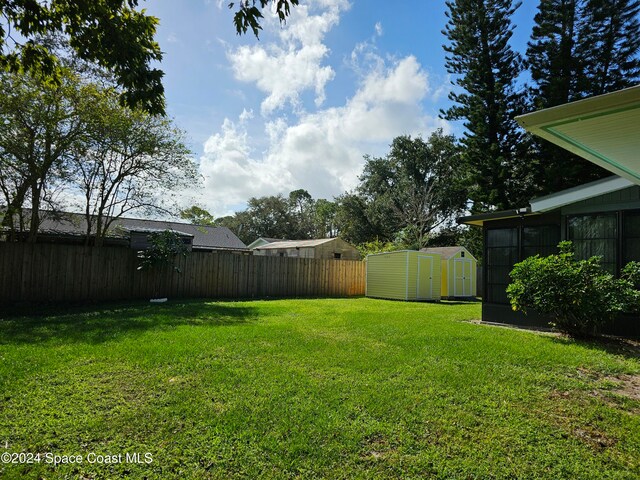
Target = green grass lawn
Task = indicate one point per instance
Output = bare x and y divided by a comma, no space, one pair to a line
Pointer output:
355,388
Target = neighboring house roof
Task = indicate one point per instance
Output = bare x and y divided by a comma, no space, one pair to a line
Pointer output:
295,244
158,230
272,240
445,252
264,240
204,237
604,130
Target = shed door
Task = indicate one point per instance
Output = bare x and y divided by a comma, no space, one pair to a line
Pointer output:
462,283
425,278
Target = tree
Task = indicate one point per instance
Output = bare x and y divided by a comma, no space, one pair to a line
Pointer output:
579,49
269,216
556,70
109,33
249,15
418,183
131,161
40,127
486,69
197,216
608,45
352,219
303,214
325,215
240,224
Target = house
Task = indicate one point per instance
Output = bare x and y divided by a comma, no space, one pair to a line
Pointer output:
600,218
263,241
404,275
458,271
65,227
327,248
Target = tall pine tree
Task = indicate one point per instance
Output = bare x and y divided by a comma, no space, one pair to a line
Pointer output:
555,68
486,68
579,48
608,45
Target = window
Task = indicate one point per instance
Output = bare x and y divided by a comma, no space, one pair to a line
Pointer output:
337,256
502,254
595,235
540,240
631,238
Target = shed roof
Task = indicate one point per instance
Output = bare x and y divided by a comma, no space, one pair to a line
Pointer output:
604,130
446,252
295,243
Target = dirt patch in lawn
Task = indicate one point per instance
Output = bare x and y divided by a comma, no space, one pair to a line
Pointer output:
593,437
628,385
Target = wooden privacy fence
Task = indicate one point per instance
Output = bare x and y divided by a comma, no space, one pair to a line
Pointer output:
55,272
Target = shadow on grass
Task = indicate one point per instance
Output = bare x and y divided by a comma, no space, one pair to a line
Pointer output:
628,348
97,324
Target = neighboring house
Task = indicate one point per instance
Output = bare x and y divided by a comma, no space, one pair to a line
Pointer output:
264,241
600,218
66,227
333,248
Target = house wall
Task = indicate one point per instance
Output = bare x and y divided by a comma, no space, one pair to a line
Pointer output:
337,245
619,207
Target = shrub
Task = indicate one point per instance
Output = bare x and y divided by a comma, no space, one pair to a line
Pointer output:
578,295
165,247
376,246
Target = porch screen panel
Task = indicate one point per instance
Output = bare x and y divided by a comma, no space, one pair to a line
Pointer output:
595,235
502,254
631,238
540,240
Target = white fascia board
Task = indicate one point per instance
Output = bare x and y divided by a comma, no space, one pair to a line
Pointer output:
577,194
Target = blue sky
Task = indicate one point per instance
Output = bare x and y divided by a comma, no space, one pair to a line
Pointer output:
300,107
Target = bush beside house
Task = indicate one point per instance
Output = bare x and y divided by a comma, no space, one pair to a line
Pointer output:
578,295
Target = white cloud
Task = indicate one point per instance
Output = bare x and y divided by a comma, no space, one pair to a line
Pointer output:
294,64
378,28
322,151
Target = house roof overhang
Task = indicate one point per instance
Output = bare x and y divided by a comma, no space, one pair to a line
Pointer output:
604,130
479,219
579,193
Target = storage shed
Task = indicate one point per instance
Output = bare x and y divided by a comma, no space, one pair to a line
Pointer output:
458,271
404,275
